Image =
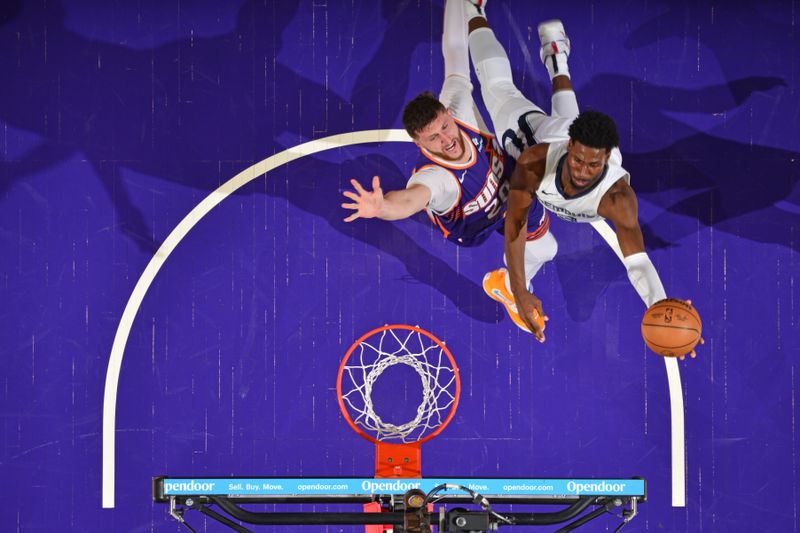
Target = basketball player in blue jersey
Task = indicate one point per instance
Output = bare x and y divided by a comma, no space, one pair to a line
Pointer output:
461,178
569,161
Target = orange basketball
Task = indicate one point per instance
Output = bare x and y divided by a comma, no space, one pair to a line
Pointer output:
671,327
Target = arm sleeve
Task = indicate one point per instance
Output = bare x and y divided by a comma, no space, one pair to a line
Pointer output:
456,96
644,278
444,186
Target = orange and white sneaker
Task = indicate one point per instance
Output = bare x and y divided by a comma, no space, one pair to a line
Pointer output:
494,284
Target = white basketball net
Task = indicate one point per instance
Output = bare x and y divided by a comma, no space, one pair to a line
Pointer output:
399,347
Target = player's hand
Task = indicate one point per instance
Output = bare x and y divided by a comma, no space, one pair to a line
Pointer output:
693,353
366,204
528,307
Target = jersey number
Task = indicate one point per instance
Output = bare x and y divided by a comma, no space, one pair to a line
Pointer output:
493,196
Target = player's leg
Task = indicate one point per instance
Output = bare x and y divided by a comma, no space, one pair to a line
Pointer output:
539,249
540,245
456,93
554,53
455,45
505,103
518,122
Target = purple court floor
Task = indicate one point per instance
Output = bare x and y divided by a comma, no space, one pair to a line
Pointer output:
118,118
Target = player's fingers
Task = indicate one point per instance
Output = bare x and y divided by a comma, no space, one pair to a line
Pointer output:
537,331
689,302
351,217
376,183
357,186
702,340
351,195
350,206
535,319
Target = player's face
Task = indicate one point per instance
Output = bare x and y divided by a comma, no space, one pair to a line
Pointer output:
442,138
584,164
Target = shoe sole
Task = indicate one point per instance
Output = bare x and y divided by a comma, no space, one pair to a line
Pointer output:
499,297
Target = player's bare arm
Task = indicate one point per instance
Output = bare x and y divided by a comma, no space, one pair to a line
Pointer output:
395,205
619,206
525,180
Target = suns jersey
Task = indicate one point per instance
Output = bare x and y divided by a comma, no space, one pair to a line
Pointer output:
479,189
583,206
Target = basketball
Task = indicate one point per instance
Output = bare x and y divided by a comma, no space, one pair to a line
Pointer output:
671,327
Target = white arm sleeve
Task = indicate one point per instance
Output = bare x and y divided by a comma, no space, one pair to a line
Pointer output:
644,278
456,96
455,41
456,92
444,186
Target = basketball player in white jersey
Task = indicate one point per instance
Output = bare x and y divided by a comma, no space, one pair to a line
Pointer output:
569,161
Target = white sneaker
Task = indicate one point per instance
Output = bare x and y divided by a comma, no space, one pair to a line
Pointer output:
553,38
480,6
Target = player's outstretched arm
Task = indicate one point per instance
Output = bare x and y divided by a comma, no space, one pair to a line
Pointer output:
619,205
395,205
524,181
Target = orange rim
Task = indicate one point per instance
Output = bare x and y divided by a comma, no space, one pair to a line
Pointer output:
357,343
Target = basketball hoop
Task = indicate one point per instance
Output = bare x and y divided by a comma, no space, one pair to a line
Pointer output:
404,359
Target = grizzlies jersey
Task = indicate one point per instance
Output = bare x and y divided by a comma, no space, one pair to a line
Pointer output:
477,209
583,206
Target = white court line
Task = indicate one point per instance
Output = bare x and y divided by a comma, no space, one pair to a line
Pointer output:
201,210
675,394
161,255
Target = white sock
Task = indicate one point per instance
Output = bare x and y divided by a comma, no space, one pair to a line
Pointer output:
556,65
473,11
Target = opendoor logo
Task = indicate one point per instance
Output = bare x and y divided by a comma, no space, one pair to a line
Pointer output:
374,487
187,486
602,488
